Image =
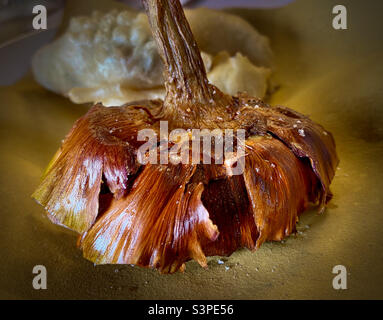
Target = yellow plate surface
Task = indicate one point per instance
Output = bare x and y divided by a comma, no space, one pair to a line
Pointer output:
336,76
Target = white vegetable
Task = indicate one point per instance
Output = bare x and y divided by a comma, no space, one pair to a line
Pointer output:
112,58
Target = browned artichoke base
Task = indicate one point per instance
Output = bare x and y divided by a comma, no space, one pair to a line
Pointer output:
161,216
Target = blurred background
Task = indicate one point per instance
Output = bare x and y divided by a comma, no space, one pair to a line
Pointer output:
19,41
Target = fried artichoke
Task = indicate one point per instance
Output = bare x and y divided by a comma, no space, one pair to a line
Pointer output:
162,215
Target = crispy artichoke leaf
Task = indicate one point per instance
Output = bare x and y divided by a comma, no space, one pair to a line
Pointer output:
306,139
100,145
279,187
161,223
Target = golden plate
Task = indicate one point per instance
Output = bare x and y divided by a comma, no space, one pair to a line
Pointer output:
336,76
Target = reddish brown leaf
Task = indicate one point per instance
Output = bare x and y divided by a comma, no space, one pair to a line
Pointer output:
100,143
278,185
159,224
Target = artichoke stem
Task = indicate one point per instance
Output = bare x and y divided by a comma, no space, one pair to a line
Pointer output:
187,88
